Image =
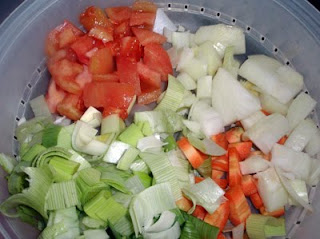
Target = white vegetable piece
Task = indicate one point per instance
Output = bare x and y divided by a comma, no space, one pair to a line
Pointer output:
301,189
268,131
115,152
165,221
204,87
163,22
168,34
208,54
180,39
187,81
40,107
92,116
193,126
272,105
272,193
222,36
150,144
299,109
196,68
291,161
314,177
192,42
174,56
247,123
253,164
230,99
238,231
301,135
313,147
272,77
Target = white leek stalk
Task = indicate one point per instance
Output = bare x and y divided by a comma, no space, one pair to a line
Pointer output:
92,116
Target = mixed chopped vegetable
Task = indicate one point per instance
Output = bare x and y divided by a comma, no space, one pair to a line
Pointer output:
221,149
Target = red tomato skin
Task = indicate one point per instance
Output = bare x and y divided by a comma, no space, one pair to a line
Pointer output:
128,73
54,96
118,15
101,62
130,48
94,16
71,106
82,46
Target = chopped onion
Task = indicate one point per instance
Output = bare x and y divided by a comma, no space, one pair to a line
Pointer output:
150,144
174,56
300,188
272,105
180,39
187,81
312,147
165,221
163,22
253,164
204,87
247,123
314,177
208,54
92,117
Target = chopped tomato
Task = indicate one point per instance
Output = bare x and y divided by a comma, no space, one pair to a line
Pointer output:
82,46
128,73
103,94
142,19
62,36
54,96
157,59
118,14
71,106
101,62
130,47
84,78
148,77
123,113
105,34
65,68
144,6
148,96
122,30
147,37
112,77
94,16
68,84
114,46
66,53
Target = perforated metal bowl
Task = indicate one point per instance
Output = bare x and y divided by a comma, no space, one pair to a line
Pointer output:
287,30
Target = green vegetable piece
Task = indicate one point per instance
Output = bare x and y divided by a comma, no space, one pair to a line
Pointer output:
16,183
179,215
112,124
33,152
31,217
189,231
7,162
131,135
205,168
145,179
56,135
127,158
92,223
67,166
171,143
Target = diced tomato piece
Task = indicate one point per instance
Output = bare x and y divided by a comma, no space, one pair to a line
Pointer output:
221,236
65,68
216,174
122,30
148,37
198,179
123,113
114,46
223,183
71,106
148,96
54,96
112,94
243,148
105,34
61,54
220,163
128,73
119,14
101,62
94,16
184,204
130,47
239,207
112,77
248,185
283,140
256,200
62,36
68,84
82,46
157,59
234,167
148,76
144,6
84,78
191,153
199,212
142,19
220,217
277,213
221,140
233,135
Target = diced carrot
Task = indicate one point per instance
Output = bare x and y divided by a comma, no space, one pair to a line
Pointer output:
221,236
233,135
265,112
184,204
221,140
239,207
283,140
198,179
243,148
217,174
248,185
220,217
277,213
256,200
223,183
234,168
220,163
259,153
199,212
191,153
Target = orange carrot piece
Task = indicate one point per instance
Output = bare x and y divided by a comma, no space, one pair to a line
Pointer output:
234,168
191,153
199,212
198,179
248,185
220,163
184,204
220,217
233,135
283,140
243,148
221,140
256,200
277,213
